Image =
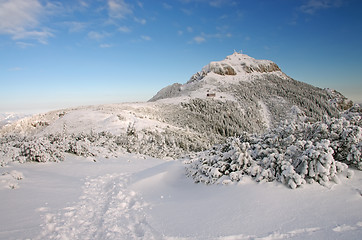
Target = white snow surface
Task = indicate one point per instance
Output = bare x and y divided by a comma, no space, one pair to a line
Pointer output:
7,118
265,113
113,118
216,74
137,197
237,61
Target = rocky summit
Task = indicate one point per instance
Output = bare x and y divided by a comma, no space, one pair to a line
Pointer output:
257,89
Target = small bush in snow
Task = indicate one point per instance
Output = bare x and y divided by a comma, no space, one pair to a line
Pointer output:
294,153
168,143
40,150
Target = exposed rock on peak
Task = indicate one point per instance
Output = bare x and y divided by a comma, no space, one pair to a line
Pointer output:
236,64
246,64
220,68
264,94
262,68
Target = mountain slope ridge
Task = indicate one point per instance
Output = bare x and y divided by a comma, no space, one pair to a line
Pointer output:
226,98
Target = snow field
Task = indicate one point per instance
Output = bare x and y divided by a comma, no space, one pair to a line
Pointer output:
10,179
106,210
133,197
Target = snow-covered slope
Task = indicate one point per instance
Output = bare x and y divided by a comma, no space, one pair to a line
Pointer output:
226,98
6,118
261,90
234,68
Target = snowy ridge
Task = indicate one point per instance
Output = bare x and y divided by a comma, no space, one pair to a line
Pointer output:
248,81
234,68
238,94
7,118
240,64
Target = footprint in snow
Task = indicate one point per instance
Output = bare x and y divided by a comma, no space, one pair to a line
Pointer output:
106,210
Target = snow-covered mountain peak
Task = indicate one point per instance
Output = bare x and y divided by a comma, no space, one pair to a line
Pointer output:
236,64
206,83
246,64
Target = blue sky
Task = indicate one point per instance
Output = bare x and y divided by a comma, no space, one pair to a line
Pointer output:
57,54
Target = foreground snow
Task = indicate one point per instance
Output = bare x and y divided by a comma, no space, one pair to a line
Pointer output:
134,197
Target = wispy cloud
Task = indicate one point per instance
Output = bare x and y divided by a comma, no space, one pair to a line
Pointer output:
124,29
203,37
97,35
15,69
75,26
119,9
312,6
219,3
167,6
105,45
140,4
146,38
140,20
212,3
24,44
83,3
199,39
41,36
186,11
21,20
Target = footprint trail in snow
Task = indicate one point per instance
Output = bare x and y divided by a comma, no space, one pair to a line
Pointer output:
106,210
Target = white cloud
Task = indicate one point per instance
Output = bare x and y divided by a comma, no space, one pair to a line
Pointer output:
40,36
15,69
119,9
124,29
216,3
166,6
17,15
54,8
75,26
203,37
24,44
21,19
140,20
312,6
186,11
189,29
96,35
212,3
146,38
199,39
83,3
180,32
105,45
217,35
